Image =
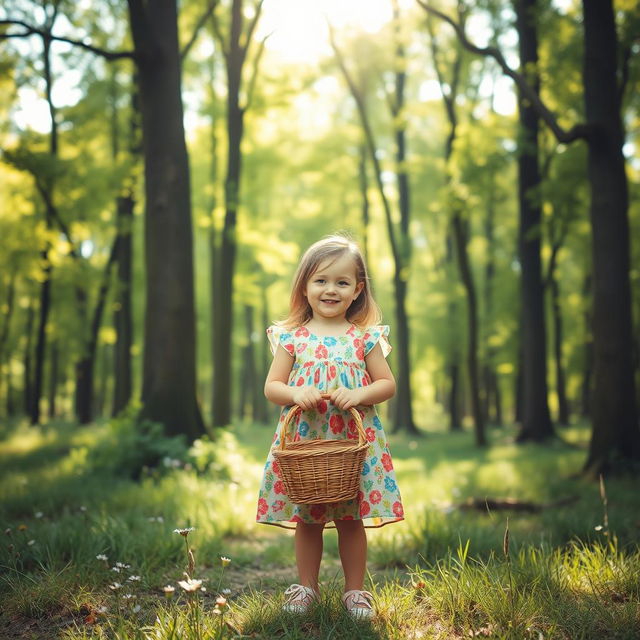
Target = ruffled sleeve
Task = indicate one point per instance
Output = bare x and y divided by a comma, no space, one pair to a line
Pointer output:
375,335
278,335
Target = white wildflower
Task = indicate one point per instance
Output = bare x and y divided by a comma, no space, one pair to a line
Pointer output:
190,585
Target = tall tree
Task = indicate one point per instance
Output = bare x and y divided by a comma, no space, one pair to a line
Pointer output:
235,46
616,434
169,374
398,234
122,310
458,230
535,418
615,440
169,368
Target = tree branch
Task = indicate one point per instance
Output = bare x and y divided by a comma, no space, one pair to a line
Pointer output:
254,72
31,30
196,31
364,120
579,131
218,34
252,26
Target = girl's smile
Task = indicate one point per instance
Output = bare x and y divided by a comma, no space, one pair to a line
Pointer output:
332,288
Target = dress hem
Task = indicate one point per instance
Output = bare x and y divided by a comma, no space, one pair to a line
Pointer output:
330,524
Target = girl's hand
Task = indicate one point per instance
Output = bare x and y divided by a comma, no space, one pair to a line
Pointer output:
344,398
306,397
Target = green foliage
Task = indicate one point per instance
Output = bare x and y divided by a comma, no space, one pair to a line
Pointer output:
441,574
130,447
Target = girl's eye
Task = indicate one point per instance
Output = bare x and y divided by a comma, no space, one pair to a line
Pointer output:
343,283
320,280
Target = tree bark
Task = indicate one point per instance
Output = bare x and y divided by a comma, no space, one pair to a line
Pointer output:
472,319
403,408
535,420
455,423
400,248
587,364
45,287
226,252
449,90
54,363
85,366
4,332
492,410
615,440
123,312
455,388
169,366
28,360
235,56
363,182
563,406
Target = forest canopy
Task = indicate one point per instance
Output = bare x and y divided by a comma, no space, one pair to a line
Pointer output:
163,167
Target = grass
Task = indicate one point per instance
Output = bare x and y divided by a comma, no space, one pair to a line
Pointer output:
72,493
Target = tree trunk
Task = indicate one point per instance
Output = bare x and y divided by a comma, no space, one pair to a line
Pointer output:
223,317
102,391
54,360
472,315
492,411
455,423
28,359
535,420
85,367
4,332
452,350
45,288
403,408
518,382
123,314
363,182
262,415
563,407
35,386
459,233
587,366
169,366
248,380
615,440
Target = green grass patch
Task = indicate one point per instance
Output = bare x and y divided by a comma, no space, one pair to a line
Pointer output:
71,495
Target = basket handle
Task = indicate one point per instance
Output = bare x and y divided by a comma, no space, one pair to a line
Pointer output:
296,410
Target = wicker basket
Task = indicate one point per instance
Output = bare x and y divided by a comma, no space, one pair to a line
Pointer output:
319,471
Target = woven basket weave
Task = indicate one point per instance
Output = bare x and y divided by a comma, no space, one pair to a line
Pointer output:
319,471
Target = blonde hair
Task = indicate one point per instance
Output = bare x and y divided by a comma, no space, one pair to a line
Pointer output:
363,312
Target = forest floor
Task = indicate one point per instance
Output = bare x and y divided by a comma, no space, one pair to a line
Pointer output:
75,503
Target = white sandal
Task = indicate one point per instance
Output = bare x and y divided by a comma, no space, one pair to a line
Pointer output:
359,604
299,598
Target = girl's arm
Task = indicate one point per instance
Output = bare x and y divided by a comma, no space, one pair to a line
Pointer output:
382,387
276,386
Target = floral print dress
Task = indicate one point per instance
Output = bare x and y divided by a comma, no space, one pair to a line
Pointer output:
328,362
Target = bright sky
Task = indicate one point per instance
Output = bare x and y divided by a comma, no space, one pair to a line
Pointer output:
298,32
298,28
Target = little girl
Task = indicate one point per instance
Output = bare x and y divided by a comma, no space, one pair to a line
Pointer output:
331,343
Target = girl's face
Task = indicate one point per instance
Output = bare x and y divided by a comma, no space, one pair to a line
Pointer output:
333,287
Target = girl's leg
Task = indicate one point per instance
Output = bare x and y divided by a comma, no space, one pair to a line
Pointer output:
308,545
352,544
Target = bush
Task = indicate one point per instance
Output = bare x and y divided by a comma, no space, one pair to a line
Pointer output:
131,447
